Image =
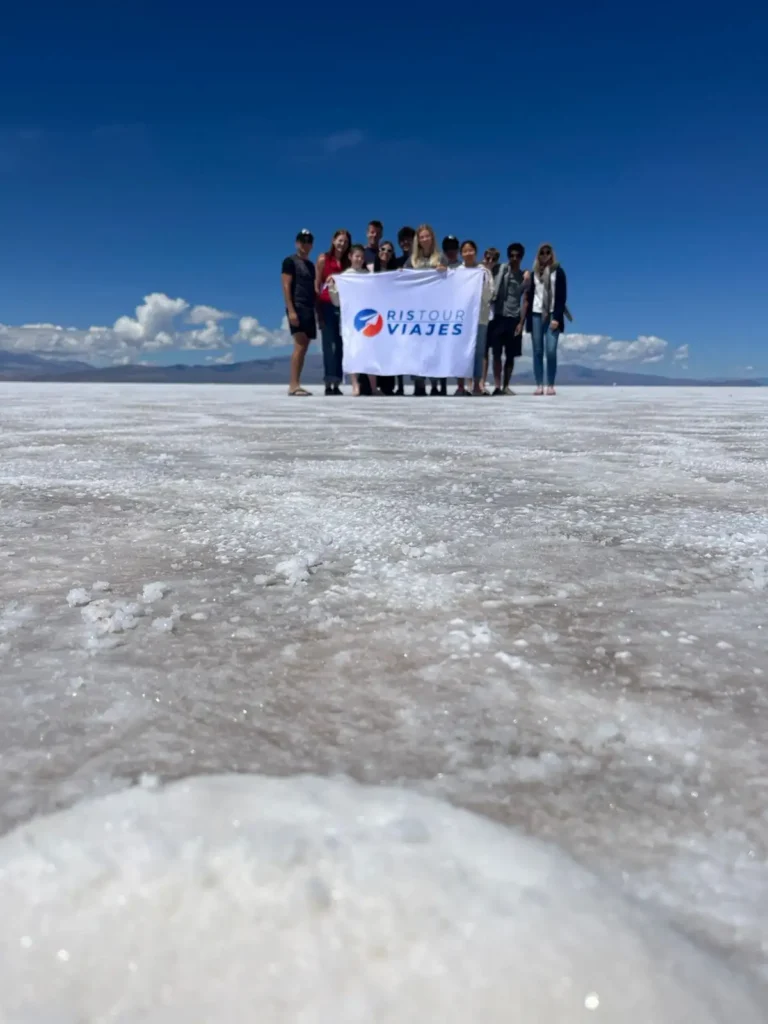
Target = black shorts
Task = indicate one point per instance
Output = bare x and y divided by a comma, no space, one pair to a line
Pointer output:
502,337
307,323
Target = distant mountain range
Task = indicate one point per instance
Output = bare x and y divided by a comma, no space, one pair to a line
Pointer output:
29,367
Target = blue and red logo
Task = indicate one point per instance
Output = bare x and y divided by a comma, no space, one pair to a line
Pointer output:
369,322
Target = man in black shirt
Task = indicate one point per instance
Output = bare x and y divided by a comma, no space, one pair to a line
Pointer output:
298,280
510,304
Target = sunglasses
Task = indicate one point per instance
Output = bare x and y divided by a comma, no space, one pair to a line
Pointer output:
545,252
387,249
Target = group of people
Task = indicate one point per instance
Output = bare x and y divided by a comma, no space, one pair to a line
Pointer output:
513,300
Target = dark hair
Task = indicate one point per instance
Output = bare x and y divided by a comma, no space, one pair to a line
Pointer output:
389,264
469,242
357,248
376,224
406,232
517,246
331,252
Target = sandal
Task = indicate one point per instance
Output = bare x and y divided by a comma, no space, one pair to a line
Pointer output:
300,393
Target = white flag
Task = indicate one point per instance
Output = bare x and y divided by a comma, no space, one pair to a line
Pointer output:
420,322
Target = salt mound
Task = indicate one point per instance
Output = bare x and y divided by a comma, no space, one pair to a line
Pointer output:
238,898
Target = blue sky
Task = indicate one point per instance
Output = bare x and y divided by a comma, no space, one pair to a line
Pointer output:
176,151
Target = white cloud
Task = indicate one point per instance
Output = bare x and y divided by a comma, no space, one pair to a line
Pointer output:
224,360
162,324
252,332
581,342
204,315
52,339
596,349
158,324
153,321
210,336
647,349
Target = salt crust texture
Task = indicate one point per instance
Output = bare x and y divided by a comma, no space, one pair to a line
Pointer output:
308,900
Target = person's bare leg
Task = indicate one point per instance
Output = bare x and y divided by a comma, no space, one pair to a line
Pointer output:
355,384
374,383
300,346
485,372
497,371
509,369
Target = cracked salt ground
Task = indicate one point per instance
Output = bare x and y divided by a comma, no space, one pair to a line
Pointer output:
552,613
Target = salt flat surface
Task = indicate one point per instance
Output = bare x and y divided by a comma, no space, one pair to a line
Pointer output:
551,612
310,900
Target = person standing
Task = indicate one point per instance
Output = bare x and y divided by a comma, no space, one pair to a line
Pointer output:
510,308
335,261
356,266
450,257
298,282
373,236
491,263
387,261
491,258
405,237
450,260
469,259
424,256
547,296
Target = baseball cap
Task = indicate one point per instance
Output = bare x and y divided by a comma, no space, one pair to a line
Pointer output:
305,235
450,242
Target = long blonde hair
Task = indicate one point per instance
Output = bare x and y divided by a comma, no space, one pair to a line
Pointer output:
420,259
538,269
